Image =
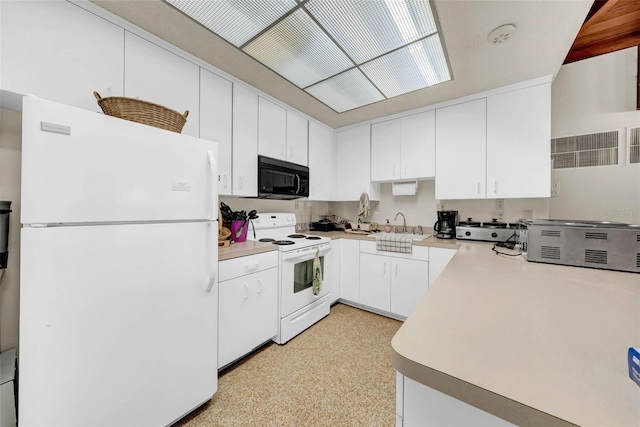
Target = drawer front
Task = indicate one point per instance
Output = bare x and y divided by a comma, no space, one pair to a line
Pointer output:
420,253
241,266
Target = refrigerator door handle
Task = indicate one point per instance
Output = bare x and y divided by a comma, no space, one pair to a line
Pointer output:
212,281
214,185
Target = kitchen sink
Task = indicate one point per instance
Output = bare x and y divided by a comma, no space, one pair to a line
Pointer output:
412,236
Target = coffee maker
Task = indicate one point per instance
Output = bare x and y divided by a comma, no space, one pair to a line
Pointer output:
445,227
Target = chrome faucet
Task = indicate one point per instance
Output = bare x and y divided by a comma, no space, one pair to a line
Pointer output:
404,222
418,230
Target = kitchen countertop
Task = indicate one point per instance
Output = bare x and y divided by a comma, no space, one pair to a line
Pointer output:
430,241
250,247
534,344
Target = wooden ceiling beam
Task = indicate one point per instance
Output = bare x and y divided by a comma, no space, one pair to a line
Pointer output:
612,45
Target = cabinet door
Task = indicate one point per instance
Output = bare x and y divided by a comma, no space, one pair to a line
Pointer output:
234,320
461,151
154,74
297,138
264,305
245,142
409,283
438,260
352,164
216,122
385,151
335,270
350,270
375,281
60,52
518,143
322,162
418,146
272,129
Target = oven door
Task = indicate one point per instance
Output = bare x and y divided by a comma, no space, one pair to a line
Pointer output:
296,277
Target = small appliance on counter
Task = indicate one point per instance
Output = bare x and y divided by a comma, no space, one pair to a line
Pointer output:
596,244
445,227
486,231
323,225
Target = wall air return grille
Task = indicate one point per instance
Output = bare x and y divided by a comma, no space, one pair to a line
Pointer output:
595,235
634,145
550,252
551,233
595,256
597,149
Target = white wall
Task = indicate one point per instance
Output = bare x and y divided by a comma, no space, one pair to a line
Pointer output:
10,161
594,95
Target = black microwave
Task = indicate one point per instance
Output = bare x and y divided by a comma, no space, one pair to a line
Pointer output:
278,179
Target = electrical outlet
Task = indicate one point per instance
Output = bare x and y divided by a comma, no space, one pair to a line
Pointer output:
497,215
555,189
499,204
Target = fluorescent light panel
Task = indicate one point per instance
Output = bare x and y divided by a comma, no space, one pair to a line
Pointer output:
325,46
297,49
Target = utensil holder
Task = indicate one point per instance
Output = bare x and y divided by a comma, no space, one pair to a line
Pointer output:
237,229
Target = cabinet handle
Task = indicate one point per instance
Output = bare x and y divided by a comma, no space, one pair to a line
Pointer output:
246,291
396,270
384,268
240,180
259,286
405,170
394,171
478,187
252,267
291,152
225,181
282,149
495,187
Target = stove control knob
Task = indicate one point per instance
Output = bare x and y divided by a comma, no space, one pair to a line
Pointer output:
494,235
467,233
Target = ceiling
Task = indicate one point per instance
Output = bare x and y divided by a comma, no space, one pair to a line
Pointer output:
545,30
611,25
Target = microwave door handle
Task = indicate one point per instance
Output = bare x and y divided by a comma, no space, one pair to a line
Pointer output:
299,184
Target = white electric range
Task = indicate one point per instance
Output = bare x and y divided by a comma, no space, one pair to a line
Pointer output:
299,308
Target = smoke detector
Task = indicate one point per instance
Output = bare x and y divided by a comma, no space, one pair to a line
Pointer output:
501,34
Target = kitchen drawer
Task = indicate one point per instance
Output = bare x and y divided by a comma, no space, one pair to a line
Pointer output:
420,253
241,266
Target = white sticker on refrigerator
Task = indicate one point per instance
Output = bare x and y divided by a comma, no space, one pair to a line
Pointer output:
181,186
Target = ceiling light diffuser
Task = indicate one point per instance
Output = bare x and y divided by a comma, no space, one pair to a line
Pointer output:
346,91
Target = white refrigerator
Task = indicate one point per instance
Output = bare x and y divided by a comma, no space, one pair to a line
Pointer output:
119,255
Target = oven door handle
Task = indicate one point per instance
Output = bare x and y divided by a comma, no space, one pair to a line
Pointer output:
305,254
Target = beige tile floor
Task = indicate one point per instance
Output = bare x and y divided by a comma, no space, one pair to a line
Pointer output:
336,373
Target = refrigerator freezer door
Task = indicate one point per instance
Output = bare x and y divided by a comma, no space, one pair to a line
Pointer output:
79,166
116,325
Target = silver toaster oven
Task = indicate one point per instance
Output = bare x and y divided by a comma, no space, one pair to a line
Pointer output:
595,244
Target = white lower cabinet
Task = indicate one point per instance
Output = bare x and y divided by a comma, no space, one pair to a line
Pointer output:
248,305
335,270
349,270
392,284
418,405
438,260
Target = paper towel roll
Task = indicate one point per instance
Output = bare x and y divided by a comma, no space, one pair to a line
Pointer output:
404,188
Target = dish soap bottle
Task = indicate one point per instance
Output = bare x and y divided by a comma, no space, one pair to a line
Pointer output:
387,227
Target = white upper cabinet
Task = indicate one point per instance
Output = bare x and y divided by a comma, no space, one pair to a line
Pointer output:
297,137
518,143
272,129
495,147
60,52
461,142
322,162
245,141
385,151
404,148
216,122
353,168
152,73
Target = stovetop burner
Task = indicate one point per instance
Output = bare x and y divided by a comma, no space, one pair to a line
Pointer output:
296,236
283,242
313,238
267,240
